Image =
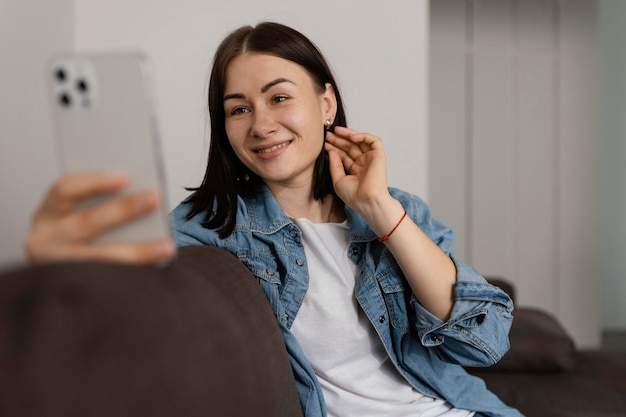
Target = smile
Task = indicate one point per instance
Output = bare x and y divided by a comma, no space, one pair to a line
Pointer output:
273,148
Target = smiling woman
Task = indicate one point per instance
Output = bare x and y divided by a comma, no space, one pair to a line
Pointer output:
291,191
274,118
232,93
377,314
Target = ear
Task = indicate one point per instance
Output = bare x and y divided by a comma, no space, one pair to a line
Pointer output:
329,103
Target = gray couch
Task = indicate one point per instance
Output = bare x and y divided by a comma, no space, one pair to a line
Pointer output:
544,374
196,338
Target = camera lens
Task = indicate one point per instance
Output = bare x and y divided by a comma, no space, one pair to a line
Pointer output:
60,74
82,86
65,100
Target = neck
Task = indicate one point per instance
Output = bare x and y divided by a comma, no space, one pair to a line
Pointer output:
301,204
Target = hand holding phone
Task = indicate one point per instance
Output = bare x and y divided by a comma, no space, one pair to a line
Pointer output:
105,122
62,231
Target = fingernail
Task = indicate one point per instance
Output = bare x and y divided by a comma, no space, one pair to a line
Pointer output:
164,250
147,200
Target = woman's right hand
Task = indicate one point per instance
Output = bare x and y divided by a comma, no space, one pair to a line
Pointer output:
61,231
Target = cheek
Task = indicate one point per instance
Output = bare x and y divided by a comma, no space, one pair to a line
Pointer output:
308,120
234,133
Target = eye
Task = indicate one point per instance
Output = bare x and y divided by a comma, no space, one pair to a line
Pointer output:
238,110
279,99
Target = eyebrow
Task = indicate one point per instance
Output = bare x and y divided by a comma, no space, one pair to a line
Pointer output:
263,89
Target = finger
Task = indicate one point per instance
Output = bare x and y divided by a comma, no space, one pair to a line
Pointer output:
344,131
355,142
135,253
337,149
69,190
336,166
355,136
345,159
342,141
345,146
85,225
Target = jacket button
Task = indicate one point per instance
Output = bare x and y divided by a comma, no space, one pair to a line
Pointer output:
435,338
381,319
299,262
270,272
355,251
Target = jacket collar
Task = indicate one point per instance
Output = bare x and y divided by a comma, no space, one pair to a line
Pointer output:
267,217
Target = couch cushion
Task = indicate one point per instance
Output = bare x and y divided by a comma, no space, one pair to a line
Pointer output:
538,343
195,338
595,388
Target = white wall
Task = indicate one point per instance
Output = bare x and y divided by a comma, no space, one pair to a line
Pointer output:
514,144
378,53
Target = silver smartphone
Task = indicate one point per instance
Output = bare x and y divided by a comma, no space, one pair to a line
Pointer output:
104,115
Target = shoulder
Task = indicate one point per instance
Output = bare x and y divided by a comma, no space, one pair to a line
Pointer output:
415,206
189,231
253,214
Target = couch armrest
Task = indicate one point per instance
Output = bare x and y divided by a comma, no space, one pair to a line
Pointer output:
195,338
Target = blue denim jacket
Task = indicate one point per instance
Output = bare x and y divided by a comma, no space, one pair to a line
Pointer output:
427,351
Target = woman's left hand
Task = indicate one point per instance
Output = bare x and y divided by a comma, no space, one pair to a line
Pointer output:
429,271
362,156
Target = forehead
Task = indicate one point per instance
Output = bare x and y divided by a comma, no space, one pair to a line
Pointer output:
254,70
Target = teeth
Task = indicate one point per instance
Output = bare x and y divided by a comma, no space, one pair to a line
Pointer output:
273,148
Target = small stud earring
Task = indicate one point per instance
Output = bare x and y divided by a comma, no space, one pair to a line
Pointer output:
328,123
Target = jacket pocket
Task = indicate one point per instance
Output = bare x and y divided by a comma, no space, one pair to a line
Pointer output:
268,277
394,289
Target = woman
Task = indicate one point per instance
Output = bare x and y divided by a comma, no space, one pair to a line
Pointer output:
377,315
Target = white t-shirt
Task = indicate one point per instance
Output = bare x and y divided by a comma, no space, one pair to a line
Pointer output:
349,359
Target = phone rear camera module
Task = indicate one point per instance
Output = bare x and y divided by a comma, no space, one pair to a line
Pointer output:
82,86
60,75
65,100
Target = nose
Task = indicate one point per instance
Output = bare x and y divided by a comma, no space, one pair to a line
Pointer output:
263,124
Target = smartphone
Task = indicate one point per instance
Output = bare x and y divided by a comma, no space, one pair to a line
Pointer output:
104,115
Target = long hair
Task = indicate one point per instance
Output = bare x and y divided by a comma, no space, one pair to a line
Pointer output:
224,180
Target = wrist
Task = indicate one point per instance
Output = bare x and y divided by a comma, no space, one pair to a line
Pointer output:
384,217
383,239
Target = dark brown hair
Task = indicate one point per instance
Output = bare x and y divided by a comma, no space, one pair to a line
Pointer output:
224,177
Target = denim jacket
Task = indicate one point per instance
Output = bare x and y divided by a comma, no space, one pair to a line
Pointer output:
427,351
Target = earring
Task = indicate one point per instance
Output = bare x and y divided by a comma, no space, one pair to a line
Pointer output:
329,122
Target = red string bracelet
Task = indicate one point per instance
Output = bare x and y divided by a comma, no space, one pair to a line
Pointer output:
387,236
